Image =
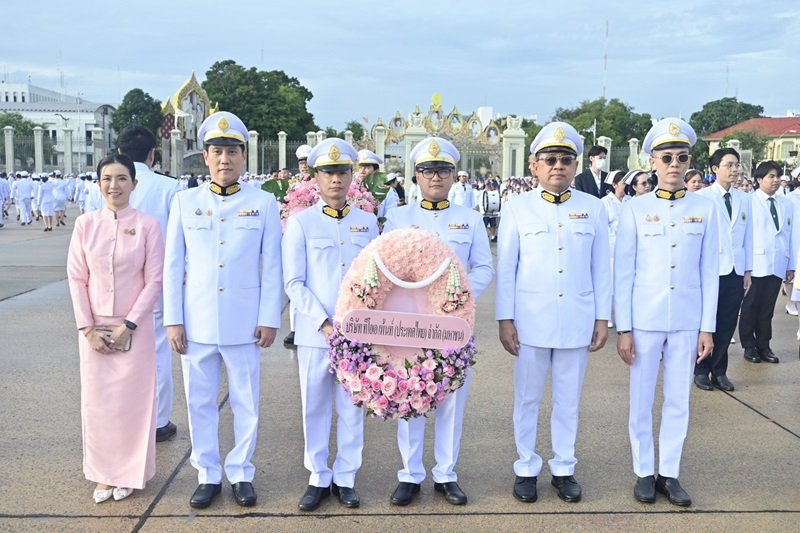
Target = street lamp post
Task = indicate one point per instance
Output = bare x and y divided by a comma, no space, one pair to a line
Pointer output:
779,146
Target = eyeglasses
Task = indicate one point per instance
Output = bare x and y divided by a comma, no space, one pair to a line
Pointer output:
667,158
443,173
731,165
551,160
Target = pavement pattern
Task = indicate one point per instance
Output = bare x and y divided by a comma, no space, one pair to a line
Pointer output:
741,461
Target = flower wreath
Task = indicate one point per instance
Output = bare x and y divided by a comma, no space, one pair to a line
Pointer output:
304,194
387,386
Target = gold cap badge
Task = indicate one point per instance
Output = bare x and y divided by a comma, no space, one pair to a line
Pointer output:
223,124
559,134
434,149
674,129
333,153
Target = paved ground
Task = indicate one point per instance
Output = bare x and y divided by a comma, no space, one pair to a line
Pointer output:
741,462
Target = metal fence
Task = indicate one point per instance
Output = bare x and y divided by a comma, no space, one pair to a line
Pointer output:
24,154
268,160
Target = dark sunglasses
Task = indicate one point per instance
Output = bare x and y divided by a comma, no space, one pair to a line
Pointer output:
551,160
667,158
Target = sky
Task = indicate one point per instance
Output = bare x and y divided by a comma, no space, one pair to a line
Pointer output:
371,58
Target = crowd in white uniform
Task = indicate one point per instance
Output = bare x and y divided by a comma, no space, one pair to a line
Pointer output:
227,268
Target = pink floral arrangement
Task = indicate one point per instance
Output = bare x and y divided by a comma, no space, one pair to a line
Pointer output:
386,385
304,194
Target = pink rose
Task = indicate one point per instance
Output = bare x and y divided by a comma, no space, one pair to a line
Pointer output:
376,385
355,385
362,367
450,371
382,403
415,370
419,386
417,403
424,408
402,372
402,385
374,372
440,397
343,364
404,409
366,382
429,364
430,388
389,386
364,395
390,374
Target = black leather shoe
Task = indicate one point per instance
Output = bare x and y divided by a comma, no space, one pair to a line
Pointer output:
313,497
645,489
669,487
452,492
767,356
525,489
568,489
244,493
289,339
166,432
204,494
347,496
404,493
701,381
751,354
722,382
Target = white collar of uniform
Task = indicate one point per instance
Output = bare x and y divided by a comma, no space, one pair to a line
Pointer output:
721,190
761,194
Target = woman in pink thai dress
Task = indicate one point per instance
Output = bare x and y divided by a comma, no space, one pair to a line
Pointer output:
114,268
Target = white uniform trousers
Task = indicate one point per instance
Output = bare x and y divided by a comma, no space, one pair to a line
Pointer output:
530,374
449,421
679,350
164,387
320,393
25,211
201,377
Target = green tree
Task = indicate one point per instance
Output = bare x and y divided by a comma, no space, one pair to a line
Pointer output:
138,109
357,128
750,140
531,129
266,101
723,113
22,126
615,119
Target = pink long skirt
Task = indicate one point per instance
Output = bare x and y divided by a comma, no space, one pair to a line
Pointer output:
118,410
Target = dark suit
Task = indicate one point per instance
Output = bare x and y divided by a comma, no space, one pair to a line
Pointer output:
585,182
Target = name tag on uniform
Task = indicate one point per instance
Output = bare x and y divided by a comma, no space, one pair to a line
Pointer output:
578,216
690,220
359,229
248,213
458,226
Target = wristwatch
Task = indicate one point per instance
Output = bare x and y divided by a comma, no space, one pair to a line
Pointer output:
130,325
623,332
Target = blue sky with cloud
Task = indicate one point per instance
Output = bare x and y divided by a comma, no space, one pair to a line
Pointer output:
372,58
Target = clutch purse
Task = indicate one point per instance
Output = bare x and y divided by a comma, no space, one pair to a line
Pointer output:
106,332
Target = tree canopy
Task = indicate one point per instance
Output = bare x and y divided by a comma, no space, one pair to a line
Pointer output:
615,119
720,114
22,126
266,101
749,140
138,109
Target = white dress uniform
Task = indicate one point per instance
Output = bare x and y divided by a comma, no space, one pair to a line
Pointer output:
774,250
153,195
388,203
463,230
222,279
666,278
318,249
5,197
554,265
461,194
45,199
23,197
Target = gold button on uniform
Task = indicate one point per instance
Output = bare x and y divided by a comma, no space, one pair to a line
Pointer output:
222,242
221,289
222,219
221,265
560,270
341,242
560,294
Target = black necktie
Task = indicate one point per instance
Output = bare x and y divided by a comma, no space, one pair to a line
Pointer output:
727,196
774,213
